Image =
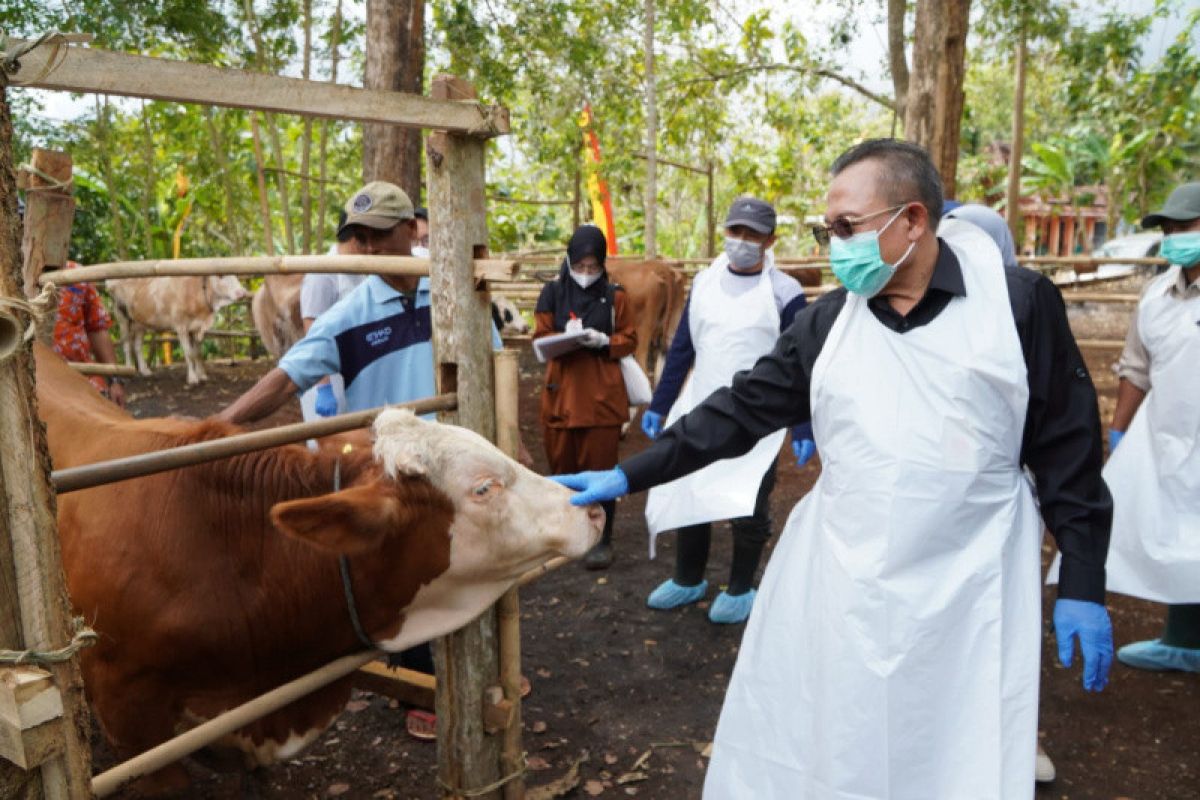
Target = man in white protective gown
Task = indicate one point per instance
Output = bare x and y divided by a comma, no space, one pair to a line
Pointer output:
893,650
1155,472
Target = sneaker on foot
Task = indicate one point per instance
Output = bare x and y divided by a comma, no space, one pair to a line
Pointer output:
1158,657
730,609
599,557
670,595
1043,771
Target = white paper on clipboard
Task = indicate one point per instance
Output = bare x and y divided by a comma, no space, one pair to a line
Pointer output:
556,345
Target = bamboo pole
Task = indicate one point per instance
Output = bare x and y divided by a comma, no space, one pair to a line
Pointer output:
1013,193
486,269
108,783
532,575
1100,344
86,476
96,368
508,608
650,212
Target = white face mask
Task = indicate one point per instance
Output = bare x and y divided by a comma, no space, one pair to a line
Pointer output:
584,279
419,251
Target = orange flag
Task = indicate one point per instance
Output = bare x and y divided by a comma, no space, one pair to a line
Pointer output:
597,188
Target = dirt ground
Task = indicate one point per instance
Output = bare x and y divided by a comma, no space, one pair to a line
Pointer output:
634,694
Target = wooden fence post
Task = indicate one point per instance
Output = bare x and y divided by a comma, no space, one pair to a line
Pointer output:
467,662
49,212
34,610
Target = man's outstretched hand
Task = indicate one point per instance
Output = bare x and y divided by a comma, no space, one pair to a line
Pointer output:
595,487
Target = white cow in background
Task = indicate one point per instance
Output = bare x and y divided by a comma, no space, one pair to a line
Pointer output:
186,306
509,321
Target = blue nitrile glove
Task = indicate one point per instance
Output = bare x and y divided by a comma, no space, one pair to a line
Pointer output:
595,487
651,423
804,450
1114,438
326,402
1089,621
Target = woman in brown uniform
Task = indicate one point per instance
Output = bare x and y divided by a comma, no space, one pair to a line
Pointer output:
584,402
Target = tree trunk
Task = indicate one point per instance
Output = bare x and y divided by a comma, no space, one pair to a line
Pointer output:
149,190
335,36
264,202
1013,195
395,40
103,139
896,10
233,231
650,202
306,142
934,105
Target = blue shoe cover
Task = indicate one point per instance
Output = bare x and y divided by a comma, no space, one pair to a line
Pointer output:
1159,657
670,595
730,609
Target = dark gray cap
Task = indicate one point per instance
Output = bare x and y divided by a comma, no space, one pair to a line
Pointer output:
757,215
1182,206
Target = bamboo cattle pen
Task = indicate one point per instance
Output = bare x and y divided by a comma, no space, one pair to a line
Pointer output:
472,709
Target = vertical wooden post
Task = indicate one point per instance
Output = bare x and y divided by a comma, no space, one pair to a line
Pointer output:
651,195
1013,195
34,610
49,212
711,250
467,662
508,608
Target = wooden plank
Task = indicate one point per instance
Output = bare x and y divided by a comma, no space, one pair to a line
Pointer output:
484,269
405,685
467,662
89,69
34,610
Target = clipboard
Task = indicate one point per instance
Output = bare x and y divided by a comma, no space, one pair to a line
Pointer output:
549,347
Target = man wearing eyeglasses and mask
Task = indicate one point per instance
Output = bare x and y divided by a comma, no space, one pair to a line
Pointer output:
734,314
894,647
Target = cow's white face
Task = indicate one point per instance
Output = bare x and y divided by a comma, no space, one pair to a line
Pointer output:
225,290
507,519
512,323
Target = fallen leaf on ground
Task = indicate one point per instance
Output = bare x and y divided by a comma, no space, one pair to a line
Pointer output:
542,672
643,759
564,785
594,788
355,706
703,748
609,758
537,763
538,727
337,789
632,777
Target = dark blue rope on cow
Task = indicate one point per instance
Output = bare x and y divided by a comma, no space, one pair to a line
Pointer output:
393,659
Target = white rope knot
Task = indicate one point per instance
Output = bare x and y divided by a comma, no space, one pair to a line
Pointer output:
36,310
51,181
10,60
83,637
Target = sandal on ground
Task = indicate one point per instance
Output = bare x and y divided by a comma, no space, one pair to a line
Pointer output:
421,725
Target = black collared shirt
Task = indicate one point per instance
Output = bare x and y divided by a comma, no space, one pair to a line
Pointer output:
1061,444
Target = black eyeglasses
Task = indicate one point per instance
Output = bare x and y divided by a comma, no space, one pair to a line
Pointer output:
843,227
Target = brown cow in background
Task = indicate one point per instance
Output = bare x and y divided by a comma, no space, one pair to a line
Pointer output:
276,312
656,291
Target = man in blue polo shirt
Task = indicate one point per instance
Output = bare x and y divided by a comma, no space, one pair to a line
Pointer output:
378,337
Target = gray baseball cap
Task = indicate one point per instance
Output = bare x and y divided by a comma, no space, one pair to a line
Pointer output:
757,215
1183,205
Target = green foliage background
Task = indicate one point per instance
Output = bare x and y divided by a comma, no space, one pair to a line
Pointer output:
736,88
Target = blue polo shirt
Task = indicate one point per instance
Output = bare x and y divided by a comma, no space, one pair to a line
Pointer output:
379,340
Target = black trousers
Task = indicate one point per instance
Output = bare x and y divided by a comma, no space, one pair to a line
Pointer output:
750,535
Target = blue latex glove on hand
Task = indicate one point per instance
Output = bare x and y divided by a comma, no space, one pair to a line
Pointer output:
652,423
804,450
594,487
1089,621
1114,438
326,402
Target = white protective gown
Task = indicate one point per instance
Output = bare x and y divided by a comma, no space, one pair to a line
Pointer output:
893,650
729,333
1154,474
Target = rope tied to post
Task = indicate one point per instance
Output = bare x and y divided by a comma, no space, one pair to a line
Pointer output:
36,310
491,787
10,60
83,637
51,181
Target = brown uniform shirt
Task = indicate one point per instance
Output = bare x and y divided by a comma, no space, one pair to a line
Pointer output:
584,388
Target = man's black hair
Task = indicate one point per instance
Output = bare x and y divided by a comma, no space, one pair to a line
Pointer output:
421,212
909,174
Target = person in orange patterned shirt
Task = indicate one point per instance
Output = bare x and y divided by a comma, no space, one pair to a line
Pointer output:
81,334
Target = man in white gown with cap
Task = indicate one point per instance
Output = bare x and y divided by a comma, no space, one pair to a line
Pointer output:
893,651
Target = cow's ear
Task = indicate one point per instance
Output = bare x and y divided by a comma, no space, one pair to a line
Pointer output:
349,522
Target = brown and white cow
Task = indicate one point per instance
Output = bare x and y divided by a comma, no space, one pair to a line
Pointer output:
276,312
186,306
213,584
656,292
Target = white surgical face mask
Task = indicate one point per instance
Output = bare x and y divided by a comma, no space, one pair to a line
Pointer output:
584,279
420,252
741,253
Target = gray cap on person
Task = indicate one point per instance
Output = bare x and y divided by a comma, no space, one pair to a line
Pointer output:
757,215
1183,205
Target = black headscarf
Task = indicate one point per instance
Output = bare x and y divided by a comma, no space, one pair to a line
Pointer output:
591,304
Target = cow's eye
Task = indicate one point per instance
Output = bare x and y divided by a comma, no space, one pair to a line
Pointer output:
482,489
